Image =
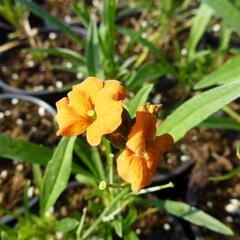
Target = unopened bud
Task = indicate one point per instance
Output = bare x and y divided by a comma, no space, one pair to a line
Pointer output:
102,185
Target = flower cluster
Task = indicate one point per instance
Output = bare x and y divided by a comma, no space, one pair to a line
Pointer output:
96,107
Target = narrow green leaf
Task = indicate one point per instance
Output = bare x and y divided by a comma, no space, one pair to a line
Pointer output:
226,176
60,52
66,225
93,53
20,150
87,180
198,108
228,72
192,215
57,173
145,74
227,11
97,162
217,122
199,26
81,10
139,99
40,12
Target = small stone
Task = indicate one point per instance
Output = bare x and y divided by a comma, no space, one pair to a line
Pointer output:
51,88
166,226
79,75
30,63
229,219
14,101
52,35
1,115
19,121
38,88
59,84
169,161
216,27
59,235
68,65
30,192
194,138
7,113
4,173
184,158
20,167
184,51
68,19
15,76
231,208
209,204
41,111
138,231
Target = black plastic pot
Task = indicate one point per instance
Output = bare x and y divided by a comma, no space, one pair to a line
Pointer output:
49,96
8,219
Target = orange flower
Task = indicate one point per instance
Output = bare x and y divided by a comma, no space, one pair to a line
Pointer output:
138,162
93,106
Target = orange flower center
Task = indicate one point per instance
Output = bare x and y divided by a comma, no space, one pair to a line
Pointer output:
92,115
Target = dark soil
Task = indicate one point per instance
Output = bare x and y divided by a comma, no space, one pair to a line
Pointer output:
26,121
34,72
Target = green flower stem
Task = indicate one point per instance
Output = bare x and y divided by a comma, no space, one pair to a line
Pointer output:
80,227
109,157
105,212
234,115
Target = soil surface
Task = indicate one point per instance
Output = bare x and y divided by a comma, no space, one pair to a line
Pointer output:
37,72
26,121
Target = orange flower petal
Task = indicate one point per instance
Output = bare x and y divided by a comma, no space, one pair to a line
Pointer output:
69,122
160,145
91,86
134,170
117,86
143,130
80,102
108,112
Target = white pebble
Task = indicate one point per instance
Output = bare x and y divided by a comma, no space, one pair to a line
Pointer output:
52,35
184,52
235,202
166,226
38,88
41,111
138,231
231,208
209,204
59,84
14,101
79,75
30,192
184,158
68,65
59,235
30,63
7,113
15,76
1,115
229,219
51,88
19,121
169,161
216,27
19,167
68,19
4,173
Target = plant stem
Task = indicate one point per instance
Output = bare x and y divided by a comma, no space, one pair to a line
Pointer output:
234,115
105,212
80,227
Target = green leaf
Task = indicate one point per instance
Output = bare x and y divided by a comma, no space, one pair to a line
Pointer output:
40,12
66,225
60,52
227,11
93,53
139,99
117,224
198,108
199,26
145,74
226,176
191,214
20,150
97,162
217,122
228,72
87,180
238,150
81,10
57,173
